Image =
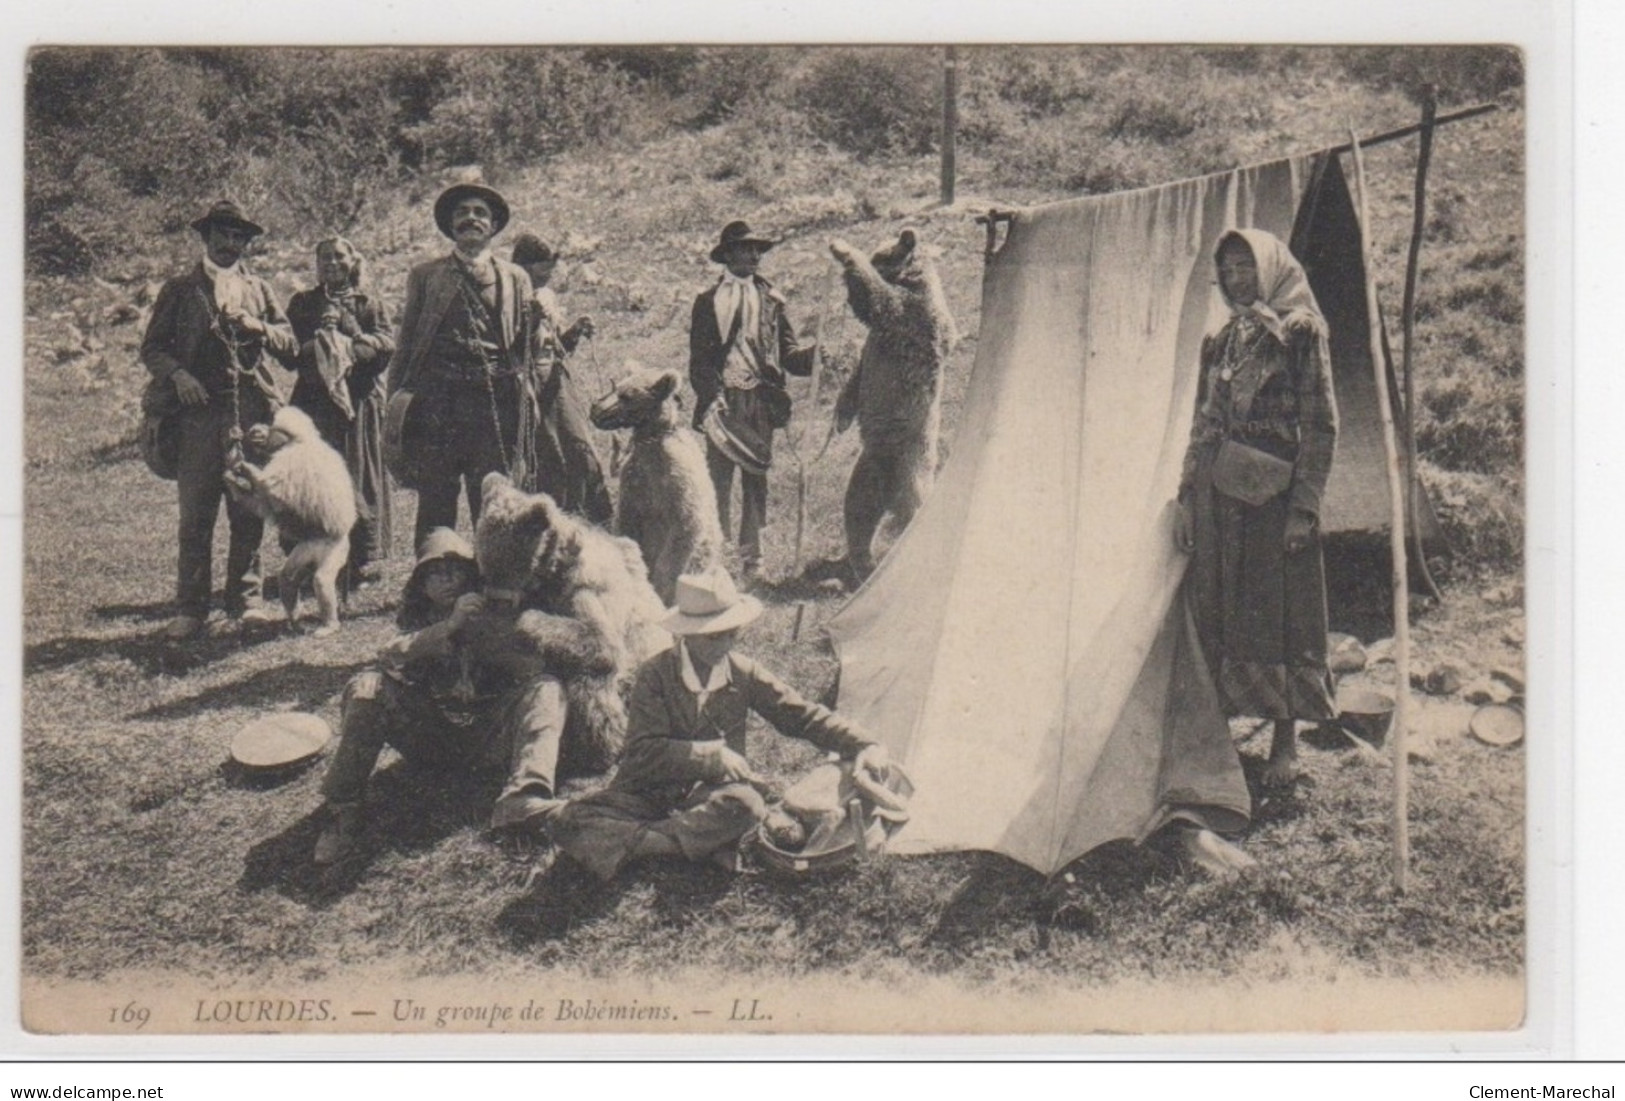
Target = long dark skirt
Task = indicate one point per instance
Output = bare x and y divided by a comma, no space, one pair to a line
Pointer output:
361,442
1260,612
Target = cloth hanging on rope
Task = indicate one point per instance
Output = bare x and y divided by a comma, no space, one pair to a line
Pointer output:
1023,650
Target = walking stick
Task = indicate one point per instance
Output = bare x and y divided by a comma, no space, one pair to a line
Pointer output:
795,441
1396,497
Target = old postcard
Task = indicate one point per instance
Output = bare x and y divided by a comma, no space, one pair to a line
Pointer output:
744,540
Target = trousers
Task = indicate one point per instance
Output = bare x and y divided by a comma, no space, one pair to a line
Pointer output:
200,480
518,738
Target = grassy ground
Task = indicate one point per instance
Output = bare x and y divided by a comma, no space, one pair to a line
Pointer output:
143,851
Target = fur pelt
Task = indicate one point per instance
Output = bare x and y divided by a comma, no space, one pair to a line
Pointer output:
587,612
668,504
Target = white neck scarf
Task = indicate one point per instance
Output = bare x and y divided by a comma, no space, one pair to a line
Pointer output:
719,677
230,288
733,294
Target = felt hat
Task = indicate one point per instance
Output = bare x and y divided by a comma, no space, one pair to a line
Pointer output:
531,249
737,233
227,213
456,193
708,604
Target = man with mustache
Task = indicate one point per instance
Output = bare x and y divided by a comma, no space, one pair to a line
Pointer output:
215,334
741,348
461,398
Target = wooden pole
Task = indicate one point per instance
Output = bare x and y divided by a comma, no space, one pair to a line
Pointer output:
1406,131
1424,156
950,120
812,406
1402,625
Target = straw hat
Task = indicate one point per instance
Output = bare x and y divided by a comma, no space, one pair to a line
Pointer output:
708,604
279,740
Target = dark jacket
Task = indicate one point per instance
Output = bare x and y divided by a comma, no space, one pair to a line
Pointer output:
363,320
708,347
180,336
430,290
671,744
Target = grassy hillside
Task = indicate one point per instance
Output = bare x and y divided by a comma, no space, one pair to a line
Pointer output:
141,851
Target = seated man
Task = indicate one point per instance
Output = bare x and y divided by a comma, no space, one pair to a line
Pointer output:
684,786
442,705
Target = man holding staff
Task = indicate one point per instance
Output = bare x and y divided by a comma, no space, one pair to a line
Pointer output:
213,334
461,403
741,347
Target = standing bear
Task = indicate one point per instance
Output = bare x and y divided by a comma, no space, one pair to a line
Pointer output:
668,503
895,394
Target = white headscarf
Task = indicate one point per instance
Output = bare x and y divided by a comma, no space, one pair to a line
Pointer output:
1284,296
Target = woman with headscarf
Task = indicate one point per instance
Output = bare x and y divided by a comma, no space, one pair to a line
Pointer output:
344,346
1249,498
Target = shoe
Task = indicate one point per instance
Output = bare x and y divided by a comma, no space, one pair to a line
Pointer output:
527,812
183,627
254,614
340,838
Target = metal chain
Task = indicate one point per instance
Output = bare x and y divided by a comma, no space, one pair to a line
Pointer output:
472,302
234,369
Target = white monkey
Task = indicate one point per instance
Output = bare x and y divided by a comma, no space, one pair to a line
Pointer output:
304,488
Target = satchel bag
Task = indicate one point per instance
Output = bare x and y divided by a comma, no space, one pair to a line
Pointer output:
399,452
1248,474
776,400
160,435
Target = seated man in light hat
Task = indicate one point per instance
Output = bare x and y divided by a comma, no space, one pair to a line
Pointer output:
684,787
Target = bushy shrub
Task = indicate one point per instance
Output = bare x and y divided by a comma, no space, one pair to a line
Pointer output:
518,106
725,80
1460,73
872,101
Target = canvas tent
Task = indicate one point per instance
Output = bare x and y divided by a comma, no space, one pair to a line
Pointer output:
1022,648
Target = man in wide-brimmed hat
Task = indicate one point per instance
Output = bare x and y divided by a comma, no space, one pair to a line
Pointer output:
461,396
741,347
215,334
684,786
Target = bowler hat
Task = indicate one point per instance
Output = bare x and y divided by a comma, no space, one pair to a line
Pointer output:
708,604
737,233
227,213
456,193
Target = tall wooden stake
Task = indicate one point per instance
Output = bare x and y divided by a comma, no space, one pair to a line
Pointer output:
1424,155
812,405
950,120
1402,619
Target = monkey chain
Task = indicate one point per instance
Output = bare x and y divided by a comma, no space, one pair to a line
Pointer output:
234,369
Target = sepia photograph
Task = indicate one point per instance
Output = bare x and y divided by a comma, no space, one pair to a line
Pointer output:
762,540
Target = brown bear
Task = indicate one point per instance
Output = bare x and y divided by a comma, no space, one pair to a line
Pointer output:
895,394
588,615
668,504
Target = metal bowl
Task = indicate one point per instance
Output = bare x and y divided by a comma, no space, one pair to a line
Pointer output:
1365,712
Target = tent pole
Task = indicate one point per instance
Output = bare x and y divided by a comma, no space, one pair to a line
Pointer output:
1402,626
1406,131
1424,156
950,120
